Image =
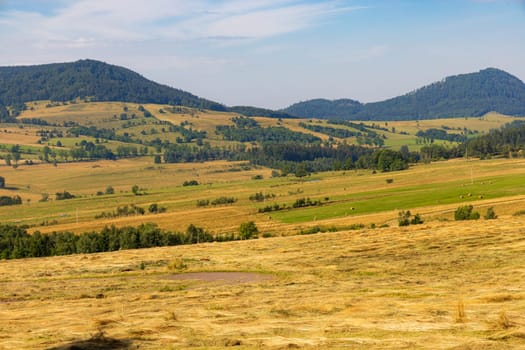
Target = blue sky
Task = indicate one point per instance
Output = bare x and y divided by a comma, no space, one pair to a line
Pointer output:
272,53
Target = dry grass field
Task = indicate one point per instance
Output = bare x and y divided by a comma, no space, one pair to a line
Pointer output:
443,285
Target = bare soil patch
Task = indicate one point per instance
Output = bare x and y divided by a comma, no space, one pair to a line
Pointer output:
222,277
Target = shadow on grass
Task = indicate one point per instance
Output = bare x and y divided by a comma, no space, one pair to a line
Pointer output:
97,342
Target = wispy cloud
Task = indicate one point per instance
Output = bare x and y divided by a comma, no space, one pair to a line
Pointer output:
89,23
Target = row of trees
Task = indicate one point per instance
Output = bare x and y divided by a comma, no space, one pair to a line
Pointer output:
273,134
16,242
440,134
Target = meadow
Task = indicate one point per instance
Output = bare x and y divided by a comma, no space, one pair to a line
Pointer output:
440,285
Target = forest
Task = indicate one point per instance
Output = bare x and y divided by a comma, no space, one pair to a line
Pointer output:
91,80
16,242
473,94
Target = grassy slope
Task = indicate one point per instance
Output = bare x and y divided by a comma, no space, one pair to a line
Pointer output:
371,289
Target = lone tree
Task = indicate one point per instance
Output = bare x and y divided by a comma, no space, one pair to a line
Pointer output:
491,214
110,190
248,230
2,182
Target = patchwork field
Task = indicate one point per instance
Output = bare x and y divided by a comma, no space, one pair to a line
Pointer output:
363,284
345,199
109,115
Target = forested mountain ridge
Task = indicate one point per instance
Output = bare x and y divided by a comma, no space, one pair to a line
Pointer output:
472,94
323,108
91,79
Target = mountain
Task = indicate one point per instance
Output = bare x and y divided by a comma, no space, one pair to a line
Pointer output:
322,108
471,94
462,95
258,112
92,79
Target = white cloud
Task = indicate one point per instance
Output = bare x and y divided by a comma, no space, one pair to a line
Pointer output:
97,22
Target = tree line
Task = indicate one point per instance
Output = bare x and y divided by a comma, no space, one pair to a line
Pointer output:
16,242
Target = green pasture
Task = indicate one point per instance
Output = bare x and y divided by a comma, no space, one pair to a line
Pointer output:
407,198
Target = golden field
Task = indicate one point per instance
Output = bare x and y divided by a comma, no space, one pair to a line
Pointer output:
442,285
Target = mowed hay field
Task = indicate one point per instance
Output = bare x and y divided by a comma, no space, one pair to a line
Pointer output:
442,285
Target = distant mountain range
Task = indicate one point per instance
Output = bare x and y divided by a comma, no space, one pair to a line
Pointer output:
471,94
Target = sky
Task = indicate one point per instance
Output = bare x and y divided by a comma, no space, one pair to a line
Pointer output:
273,53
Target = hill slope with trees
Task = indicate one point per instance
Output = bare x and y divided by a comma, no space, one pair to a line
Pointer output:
322,108
472,94
97,81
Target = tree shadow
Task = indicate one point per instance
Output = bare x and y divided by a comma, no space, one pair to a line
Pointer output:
97,342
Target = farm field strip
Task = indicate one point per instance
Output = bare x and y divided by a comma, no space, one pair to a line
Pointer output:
429,188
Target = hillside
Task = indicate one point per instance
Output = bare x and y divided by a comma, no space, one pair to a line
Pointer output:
473,94
322,108
90,79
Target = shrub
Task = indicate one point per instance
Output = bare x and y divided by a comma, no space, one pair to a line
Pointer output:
491,214
248,230
2,182
416,220
312,230
305,202
135,190
405,220
272,207
155,209
110,190
465,213
5,200
63,195
260,197
389,181
223,200
203,202
190,183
